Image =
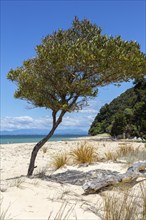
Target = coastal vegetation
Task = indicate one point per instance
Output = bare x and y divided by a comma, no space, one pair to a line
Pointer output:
122,206
59,160
125,116
68,68
85,153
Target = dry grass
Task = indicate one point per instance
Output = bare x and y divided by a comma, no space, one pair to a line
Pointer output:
85,153
63,213
127,153
143,192
111,156
125,149
116,207
136,156
59,160
123,208
122,205
131,155
4,213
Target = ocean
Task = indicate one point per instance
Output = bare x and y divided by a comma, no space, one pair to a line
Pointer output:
13,139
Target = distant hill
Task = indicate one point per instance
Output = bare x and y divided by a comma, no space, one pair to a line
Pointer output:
43,132
125,116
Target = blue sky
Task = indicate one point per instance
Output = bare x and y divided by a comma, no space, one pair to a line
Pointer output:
25,23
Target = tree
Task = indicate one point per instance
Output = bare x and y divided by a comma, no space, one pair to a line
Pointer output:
69,66
126,114
119,124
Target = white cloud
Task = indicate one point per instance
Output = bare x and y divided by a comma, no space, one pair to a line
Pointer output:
73,121
24,122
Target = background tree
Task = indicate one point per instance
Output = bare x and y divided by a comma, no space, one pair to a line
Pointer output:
124,116
69,66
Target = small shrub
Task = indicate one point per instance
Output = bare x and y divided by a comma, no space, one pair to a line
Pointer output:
59,160
85,153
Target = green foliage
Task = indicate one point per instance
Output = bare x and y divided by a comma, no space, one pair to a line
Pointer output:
125,115
71,63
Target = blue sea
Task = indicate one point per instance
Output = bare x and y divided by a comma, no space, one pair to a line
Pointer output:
13,139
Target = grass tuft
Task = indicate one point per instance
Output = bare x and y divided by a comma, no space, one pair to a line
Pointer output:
116,207
85,153
123,208
59,160
63,213
130,154
127,153
111,156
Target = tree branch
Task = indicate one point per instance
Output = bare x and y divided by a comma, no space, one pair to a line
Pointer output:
54,117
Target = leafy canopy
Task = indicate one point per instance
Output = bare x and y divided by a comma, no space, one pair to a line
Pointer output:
125,114
70,65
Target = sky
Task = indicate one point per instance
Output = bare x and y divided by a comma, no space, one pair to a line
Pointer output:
25,23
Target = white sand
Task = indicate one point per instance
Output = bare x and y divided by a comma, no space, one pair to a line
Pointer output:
34,198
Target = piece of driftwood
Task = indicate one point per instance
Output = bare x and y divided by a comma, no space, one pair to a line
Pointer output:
76,177
138,169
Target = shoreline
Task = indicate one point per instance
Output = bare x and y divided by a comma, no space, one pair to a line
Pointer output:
58,138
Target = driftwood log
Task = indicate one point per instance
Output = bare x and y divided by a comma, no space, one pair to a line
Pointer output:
138,169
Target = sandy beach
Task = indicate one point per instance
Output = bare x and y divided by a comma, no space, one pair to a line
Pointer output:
38,197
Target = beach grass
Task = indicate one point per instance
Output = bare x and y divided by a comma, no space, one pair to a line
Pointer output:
59,160
84,153
64,212
143,195
123,208
113,156
4,213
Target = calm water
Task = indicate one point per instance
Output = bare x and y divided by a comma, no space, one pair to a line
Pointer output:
10,139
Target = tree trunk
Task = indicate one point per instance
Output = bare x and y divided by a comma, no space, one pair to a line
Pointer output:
41,143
